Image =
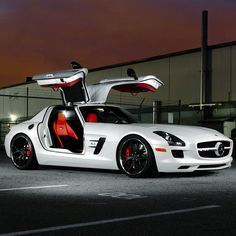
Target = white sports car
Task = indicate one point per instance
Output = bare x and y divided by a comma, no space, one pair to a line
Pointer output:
85,132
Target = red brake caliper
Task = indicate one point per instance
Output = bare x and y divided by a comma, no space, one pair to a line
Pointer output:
28,151
127,152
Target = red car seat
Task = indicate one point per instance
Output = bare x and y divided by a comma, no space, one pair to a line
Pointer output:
63,129
92,117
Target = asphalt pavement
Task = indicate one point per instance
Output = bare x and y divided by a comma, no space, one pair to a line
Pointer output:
75,201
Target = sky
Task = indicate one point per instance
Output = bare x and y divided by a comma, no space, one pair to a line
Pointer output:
46,35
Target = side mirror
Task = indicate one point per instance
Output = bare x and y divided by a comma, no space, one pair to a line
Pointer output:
131,73
75,65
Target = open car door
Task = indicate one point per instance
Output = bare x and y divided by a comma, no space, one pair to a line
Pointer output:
71,83
73,88
99,92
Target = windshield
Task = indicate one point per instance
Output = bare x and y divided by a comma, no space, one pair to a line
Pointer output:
107,114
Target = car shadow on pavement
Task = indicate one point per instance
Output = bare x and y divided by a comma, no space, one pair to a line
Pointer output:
5,159
186,175
120,174
78,169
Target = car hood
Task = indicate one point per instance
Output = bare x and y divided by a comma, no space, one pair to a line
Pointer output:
191,133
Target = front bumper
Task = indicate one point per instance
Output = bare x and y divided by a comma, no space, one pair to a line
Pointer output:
191,160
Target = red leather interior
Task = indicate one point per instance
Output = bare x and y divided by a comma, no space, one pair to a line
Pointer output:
62,128
135,88
92,117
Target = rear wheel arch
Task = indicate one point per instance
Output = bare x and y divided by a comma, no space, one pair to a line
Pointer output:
21,146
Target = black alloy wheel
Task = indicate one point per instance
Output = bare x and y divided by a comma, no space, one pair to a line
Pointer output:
135,157
22,153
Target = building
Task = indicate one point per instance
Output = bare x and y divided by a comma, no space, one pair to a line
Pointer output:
172,103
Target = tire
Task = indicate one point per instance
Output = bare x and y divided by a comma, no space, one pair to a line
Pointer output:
135,157
22,153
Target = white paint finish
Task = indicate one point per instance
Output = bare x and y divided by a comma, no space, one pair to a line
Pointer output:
106,159
110,221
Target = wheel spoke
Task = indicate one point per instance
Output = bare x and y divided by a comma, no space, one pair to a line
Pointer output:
17,151
143,158
17,159
20,160
129,167
141,147
134,167
128,159
128,163
142,164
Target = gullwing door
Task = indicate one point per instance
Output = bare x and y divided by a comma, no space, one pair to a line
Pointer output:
72,85
133,84
70,82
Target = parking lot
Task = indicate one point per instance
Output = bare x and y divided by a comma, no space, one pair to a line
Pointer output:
74,201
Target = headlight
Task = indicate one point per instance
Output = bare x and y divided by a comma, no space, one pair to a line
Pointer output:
170,138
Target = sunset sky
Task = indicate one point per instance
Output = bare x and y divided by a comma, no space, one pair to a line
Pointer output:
46,35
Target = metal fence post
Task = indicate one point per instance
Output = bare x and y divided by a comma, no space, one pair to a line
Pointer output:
27,103
140,110
179,112
156,112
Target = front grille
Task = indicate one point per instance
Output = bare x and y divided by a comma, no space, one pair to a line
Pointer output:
212,144
214,149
